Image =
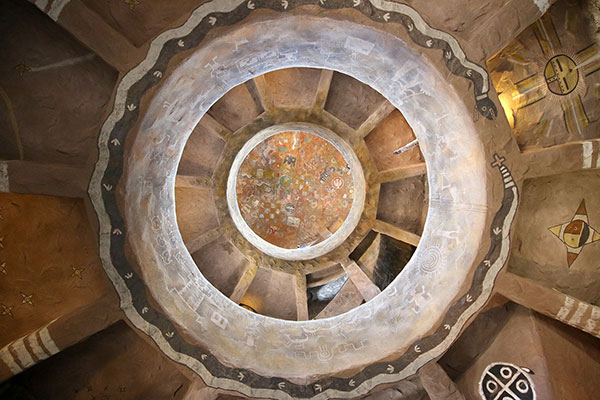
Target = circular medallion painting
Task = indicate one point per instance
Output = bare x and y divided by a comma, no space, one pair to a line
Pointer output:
296,191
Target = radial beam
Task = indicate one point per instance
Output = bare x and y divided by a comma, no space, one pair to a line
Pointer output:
365,286
550,302
323,89
59,334
395,232
438,384
29,177
194,182
502,26
345,300
248,274
215,126
301,297
337,125
568,157
262,86
399,173
380,114
203,239
91,29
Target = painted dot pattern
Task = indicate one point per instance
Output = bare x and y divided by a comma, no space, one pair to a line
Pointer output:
294,189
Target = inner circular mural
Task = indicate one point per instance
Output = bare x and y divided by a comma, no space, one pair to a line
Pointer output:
294,189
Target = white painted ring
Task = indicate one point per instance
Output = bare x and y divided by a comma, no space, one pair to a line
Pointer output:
455,224
338,236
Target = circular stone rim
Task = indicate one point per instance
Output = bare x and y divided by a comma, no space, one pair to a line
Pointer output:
408,87
351,220
457,210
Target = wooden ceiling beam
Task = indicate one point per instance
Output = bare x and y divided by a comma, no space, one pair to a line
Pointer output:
28,177
550,302
396,232
93,31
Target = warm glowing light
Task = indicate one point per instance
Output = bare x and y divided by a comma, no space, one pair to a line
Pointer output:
507,102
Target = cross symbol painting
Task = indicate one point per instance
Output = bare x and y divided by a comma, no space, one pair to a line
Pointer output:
498,161
576,233
505,381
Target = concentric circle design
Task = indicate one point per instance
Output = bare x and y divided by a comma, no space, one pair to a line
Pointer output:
322,187
194,323
431,260
562,75
416,89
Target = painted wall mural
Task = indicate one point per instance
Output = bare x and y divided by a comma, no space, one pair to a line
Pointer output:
505,381
548,80
294,189
39,270
131,286
576,233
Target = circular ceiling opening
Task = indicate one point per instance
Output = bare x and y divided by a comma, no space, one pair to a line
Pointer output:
296,191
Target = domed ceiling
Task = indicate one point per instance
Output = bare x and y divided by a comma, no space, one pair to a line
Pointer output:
299,199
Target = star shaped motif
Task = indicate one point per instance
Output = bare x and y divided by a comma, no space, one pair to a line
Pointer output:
26,299
6,311
576,233
131,3
3,268
77,272
22,68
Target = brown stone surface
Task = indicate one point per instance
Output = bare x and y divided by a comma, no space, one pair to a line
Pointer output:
271,294
573,357
437,384
477,338
235,109
58,122
393,133
541,255
49,179
549,302
141,21
201,153
221,263
404,203
94,33
517,343
196,213
293,87
350,100
113,364
59,267
556,160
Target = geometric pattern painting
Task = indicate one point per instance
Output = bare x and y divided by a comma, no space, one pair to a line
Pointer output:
547,79
504,381
295,189
576,233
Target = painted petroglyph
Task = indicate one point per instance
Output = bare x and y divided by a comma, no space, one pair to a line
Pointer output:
576,234
294,189
18,356
506,382
544,78
576,313
347,327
